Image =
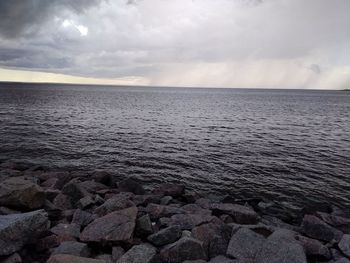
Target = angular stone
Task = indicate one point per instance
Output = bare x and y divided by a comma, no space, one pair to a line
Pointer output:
196,209
103,177
130,185
245,244
189,221
106,257
118,202
116,226
117,253
183,249
239,213
195,261
47,243
143,253
18,230
340,223
82,218
146,199
344,245
14,258
22,194
314,247
92,187
62,202
144,226
281,247
72,248
74,191
173,190
166,200
66,231
157,211
165,236
315,228
72,259
221,259
85,202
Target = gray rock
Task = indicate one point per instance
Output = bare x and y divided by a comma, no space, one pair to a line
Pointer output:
18,230
82,218
22,194
144,226
196,209
72,248
157,211
85,202
344,245
195,261
118,202
165,236
116,226
74,191
166,200
117,253
314,247
130,185
315,228
245,244
106,257
14,258
221,259
173,190
66,231
183,249
62,202
281,247
189,221
72,259
239,213
340,223
143,253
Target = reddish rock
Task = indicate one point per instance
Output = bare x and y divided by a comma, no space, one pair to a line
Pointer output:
82,218
47,243
313,247
62,202
116,226
66,232
157,211
118,202
240,214
173,190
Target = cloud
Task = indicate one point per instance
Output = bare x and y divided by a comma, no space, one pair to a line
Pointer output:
231,43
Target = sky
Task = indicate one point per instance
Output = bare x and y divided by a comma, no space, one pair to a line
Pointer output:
199,43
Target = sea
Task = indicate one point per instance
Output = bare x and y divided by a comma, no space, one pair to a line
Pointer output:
285,145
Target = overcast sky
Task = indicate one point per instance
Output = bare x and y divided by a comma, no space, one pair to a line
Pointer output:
210,43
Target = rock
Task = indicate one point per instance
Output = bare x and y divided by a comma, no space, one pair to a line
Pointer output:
276,222
49,183
47,243
66,232
18,230
14,258
189,221
173,190
157,211
281,247
22,194
72,259
146,199
341,260
313,247
340,223
315,228
144,226
143,253
106,257
103,177
118,202
74,191
72,248
186,233
245,244
166,200
82,218
51,194
196,209
85,202
92,187
195,261
62,202
165,236
183,249
221,259
116,226
344,245
215,237
117,253
130,185
7,211
239,213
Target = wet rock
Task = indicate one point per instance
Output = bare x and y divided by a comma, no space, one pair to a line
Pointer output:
118,202
18,230
344,245
215,237
144,226
116,226
314,248
143,253
82,218
157,211
340,223
22,194
173,190
183,249
14,258
205,203
102,177
117,253
315,228
245,244
47,243
189,221
240,214
72,259
72,248
165,236
131,185
281,247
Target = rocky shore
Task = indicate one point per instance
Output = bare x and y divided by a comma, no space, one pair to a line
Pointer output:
73,217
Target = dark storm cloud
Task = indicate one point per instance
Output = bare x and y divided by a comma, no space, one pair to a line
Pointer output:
21,16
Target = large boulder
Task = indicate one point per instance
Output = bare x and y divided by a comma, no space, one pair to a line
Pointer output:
17,230
74,191
315,228
281,246
66,232
22,194
184,249
245,244
239,213
344,245
340,223
165,236
314,248
63,258
143,253
144,226
116,226
118,202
